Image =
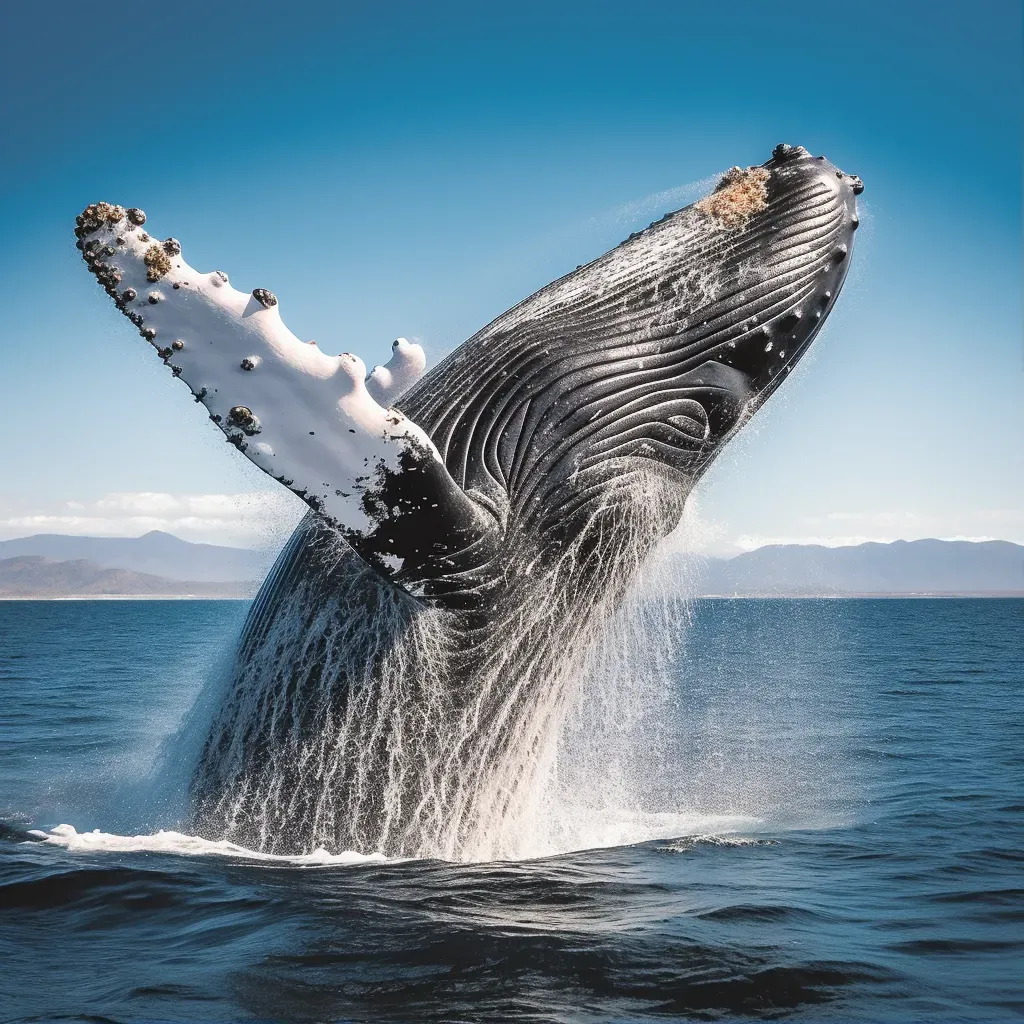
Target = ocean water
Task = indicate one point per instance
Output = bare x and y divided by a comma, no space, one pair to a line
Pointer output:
838,811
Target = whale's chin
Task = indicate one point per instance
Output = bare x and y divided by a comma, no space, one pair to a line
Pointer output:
408,662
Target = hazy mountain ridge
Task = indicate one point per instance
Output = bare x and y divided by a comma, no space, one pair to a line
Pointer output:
33,576
162,565
897,568
155,553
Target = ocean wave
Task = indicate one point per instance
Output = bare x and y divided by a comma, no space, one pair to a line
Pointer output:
686,843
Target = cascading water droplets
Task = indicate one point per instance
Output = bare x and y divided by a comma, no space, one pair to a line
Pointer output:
365,735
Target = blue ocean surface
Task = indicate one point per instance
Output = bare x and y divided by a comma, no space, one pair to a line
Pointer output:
872,750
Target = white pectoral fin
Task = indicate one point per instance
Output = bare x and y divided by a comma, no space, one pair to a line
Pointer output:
305,417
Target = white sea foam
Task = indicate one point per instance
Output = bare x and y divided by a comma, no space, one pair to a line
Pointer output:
626,829
631,828
686,844
190,846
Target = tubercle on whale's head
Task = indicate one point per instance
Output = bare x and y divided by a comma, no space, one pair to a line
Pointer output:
787,227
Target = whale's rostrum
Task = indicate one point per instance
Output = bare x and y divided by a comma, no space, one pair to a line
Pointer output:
405,667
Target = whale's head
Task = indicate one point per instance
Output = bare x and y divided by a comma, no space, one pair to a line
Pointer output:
637,368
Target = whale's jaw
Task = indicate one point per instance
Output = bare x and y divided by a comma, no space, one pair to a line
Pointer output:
805,240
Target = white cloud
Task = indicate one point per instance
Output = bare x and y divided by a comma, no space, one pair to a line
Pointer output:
265,518
250,519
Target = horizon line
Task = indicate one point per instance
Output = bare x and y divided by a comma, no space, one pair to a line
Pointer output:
817,542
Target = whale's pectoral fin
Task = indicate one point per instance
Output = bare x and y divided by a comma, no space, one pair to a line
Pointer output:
307,418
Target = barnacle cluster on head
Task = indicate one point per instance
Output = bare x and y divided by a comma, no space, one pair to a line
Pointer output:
740,194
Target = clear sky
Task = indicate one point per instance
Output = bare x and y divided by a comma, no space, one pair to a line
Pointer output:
414,169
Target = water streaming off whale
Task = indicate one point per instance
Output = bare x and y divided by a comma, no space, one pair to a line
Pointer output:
432,768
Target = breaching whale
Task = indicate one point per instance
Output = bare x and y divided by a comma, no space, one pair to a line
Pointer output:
404,664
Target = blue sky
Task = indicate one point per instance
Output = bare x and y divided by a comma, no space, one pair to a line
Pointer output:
412,169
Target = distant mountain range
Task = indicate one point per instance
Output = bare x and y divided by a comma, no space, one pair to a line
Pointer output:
906,568
33,576
162,565
156,553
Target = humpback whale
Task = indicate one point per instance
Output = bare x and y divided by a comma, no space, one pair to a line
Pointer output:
409,657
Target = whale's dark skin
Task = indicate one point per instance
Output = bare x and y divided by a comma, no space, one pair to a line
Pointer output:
576,424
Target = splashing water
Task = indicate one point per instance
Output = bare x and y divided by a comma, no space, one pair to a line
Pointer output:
595,760
359,719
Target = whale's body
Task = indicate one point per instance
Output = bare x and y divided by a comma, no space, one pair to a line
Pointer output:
405,664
